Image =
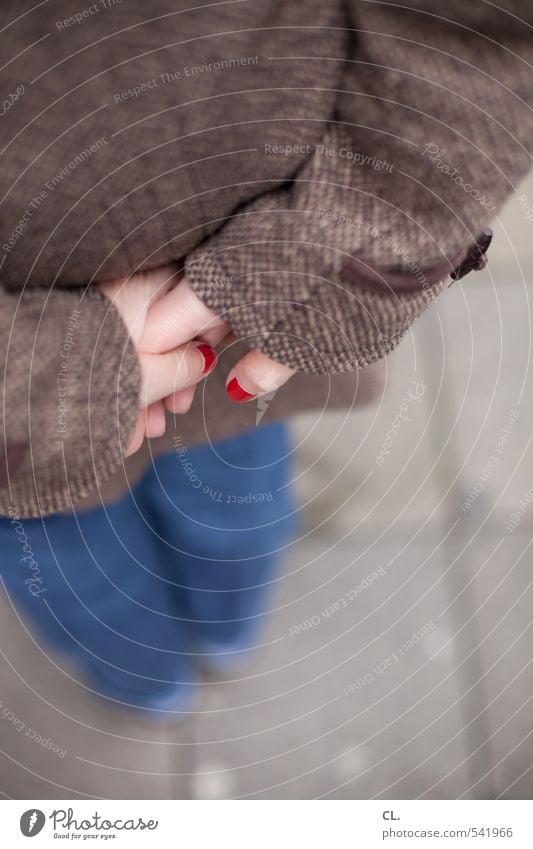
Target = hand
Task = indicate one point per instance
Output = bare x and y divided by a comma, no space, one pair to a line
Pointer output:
162,374
181,316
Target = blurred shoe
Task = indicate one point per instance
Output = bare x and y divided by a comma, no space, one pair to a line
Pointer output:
171,704
228,656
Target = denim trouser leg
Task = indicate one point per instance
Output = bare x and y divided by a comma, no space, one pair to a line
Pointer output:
89,582
223,514
132,589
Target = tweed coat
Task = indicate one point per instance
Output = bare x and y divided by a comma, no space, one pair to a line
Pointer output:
317,168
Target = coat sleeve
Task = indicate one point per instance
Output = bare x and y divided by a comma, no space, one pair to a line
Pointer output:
430,134
112,123
69,397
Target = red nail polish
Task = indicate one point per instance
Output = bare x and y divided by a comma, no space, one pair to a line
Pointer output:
210,357
236,392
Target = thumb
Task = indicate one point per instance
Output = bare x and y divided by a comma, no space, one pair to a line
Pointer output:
165,374
256,374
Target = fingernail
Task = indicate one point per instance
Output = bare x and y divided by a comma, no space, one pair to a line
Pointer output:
236,392
210,357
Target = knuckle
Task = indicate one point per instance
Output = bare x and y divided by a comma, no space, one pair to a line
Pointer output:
190,366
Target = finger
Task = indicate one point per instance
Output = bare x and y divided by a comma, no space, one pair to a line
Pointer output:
137,437
229,340
216,335
256,374
155,420
134,295
180,402
165,374
175,319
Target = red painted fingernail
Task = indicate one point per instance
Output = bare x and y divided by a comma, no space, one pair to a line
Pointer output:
236,392
210,357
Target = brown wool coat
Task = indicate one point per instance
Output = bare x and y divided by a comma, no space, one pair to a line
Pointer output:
319,168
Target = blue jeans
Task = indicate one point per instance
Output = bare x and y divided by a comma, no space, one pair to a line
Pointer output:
178,569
